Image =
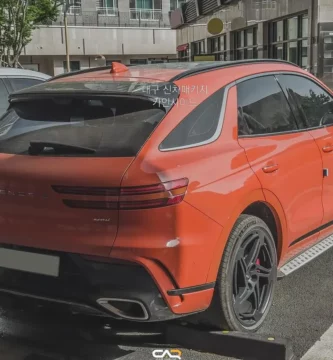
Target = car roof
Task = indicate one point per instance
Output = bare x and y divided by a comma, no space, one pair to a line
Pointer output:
144,80
163,72
7,71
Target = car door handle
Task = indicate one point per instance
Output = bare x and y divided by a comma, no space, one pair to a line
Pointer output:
270,168
328,148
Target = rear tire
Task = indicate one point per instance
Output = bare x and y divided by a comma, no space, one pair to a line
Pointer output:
246,279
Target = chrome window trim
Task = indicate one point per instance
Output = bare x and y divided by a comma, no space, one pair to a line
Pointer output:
218,129
276,73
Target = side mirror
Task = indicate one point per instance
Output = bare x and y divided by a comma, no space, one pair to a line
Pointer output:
327,119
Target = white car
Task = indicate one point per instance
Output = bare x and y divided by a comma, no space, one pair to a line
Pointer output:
12,79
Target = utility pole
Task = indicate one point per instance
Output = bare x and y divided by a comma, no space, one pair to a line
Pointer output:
66,7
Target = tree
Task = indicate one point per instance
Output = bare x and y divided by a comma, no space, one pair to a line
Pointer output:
18,19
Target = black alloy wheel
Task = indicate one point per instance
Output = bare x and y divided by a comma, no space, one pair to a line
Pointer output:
253,277
246,279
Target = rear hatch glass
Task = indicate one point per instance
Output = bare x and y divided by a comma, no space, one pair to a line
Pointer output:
113,127
113,119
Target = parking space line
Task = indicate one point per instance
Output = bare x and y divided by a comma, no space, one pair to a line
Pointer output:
322,349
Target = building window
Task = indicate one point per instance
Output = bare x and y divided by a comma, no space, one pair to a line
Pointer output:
198,48
218,47
138,61
108,3
146,10
107,7
74,9
73,65
146,4
183,52
289,39
245,44
183,55
156,61
142,4
175,4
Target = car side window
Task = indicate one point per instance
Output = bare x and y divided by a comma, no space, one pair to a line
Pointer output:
3,98
315,104
21,83
197,127
263,108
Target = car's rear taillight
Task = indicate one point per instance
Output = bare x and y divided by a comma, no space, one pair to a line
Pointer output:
151,196
84,190
127,198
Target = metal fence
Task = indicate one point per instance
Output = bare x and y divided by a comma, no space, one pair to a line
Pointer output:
112,17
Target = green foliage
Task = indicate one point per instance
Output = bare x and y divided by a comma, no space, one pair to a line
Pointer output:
312,103
18,18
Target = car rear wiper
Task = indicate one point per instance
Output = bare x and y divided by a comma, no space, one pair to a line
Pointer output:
37,147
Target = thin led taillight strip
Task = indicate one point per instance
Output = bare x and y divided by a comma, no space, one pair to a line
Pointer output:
84,190
135,197
88,204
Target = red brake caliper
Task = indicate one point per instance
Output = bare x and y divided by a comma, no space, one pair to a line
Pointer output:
258,263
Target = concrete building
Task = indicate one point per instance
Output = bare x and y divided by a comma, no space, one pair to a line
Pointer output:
129,31
300,31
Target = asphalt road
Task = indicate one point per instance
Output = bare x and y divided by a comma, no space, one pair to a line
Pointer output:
302,311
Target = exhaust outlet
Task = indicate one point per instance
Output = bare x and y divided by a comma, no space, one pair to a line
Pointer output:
125,308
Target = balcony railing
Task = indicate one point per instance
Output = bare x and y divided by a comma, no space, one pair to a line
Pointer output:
145,14
107,11
265,5
74,10
114,18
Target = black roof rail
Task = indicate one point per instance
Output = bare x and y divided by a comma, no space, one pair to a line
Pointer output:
224,64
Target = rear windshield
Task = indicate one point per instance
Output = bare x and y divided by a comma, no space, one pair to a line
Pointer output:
111,126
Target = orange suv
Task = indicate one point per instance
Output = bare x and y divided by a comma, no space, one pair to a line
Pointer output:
153,192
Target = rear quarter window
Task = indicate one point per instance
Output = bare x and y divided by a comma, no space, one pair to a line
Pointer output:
199,127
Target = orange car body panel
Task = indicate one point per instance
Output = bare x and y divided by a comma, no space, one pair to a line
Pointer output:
180,246
33,214
301,200
324,138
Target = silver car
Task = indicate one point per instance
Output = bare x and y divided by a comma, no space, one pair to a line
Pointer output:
12,80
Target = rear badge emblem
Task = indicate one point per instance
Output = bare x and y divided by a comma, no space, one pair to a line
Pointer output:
101,220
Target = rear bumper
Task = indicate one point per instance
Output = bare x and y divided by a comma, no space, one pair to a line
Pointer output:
114,288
